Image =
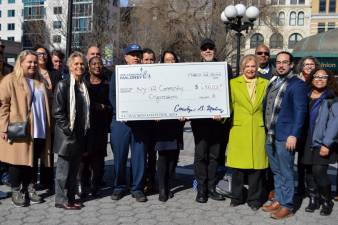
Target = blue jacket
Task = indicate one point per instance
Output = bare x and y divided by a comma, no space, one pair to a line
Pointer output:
292,115
326,126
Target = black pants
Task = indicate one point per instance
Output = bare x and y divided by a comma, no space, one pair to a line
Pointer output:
91,173
316,177
38,145
208,137
20,175
65,178
150,162
166,167
256,189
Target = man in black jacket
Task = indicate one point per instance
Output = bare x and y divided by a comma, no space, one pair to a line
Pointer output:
208,136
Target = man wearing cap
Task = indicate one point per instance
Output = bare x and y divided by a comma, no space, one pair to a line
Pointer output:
265,68
208,137
123,134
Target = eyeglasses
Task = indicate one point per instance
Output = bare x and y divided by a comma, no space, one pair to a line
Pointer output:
283,62
206,47
309,64
41,53
263,53
320,77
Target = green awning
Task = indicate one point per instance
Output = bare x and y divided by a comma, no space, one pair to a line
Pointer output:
317,54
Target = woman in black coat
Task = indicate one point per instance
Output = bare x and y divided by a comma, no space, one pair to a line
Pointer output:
168,142
50,77
71,109
92,171
320,147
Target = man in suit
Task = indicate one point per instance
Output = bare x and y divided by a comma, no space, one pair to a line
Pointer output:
265,69
285,112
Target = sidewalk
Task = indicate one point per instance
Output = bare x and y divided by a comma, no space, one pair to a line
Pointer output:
182,209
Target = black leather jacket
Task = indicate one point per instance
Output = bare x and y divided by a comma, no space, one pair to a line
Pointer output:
67,142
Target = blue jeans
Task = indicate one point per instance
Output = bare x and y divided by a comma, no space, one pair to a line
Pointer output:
123,135
281,163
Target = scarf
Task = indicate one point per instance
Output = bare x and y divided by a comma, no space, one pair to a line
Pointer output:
72,101
315,109
251,86
283,84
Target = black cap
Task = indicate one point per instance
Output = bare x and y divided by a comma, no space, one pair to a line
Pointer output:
207,41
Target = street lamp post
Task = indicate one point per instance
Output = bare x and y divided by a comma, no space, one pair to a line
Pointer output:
69,28
239,18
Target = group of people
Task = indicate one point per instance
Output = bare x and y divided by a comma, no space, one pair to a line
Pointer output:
69,110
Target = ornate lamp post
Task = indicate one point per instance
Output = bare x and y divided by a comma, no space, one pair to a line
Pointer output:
239,18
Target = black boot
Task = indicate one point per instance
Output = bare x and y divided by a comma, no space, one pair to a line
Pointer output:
202,196
313,203
163,195
327,203
213,194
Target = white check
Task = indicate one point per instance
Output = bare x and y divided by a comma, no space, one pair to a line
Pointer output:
172,91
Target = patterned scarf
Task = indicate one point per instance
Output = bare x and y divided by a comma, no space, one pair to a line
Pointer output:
277,103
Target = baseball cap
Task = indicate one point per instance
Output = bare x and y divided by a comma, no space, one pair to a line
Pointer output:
132,48
207,41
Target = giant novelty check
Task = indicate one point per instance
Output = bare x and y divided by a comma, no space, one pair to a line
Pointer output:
172,91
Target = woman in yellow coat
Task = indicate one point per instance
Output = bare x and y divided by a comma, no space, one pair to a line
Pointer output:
246,148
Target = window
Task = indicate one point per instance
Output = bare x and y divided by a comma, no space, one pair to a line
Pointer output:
331,26
293,19
82,9
274,19
300,21
276,41
0,26
33,12
11,13
321,27
332,6
57,24
0,13
56,38
11,26
301,2
82,24
293,39
293,2
281,19
10,38
11,1
322,5
57,10
255,40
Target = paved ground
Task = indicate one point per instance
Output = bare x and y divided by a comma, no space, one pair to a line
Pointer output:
182,209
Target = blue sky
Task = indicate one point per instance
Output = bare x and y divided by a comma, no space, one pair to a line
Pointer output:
123,3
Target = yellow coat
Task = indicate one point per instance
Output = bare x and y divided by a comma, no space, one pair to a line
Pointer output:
246,148
15,99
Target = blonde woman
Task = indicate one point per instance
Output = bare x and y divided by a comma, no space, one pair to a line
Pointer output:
71,113
24,98
247,158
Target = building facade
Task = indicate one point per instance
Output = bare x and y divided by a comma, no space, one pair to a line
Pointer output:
11,20
324,16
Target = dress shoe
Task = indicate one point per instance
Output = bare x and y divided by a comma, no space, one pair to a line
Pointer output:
282,213
336,198
326,208
201,197
235,203
273,207
139,196
68,206
117,195
215,196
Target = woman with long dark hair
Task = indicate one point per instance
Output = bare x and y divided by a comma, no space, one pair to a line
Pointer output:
320,146
168,142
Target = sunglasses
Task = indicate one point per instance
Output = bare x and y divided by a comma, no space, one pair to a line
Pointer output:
41,53
320,77
206,47
263,53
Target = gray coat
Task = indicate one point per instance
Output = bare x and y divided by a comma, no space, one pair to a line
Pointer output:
326,126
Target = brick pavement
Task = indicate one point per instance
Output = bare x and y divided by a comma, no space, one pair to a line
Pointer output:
182,209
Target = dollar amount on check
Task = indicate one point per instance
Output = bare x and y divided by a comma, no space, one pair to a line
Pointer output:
172,91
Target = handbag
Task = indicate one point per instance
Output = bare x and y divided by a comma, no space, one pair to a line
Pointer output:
19,130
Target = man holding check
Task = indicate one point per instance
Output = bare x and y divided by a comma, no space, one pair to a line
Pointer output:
123,134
